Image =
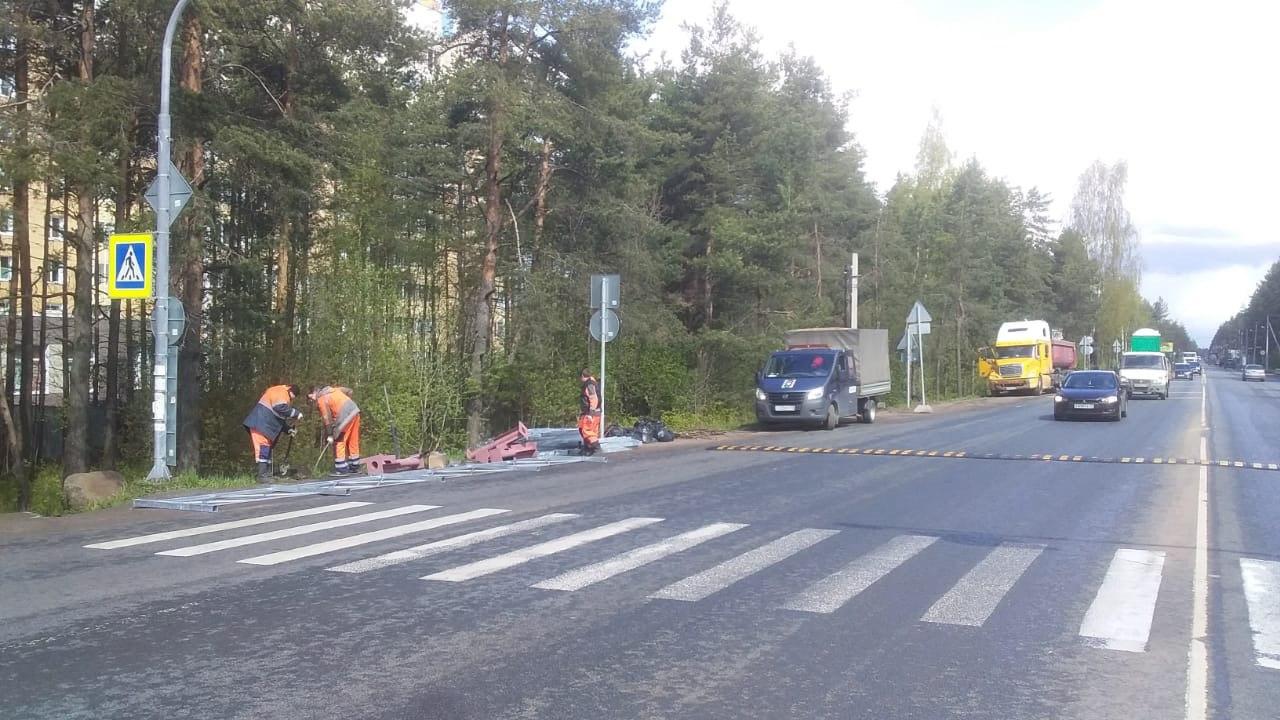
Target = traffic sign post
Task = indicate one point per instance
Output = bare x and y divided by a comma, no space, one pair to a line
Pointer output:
168,195
606,294
130,270
919,321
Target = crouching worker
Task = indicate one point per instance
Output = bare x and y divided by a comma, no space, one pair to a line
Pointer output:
589,412
341,418
273,416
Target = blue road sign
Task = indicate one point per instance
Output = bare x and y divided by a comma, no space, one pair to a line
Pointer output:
131,270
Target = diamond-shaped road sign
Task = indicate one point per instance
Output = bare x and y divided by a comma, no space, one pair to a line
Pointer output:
179,192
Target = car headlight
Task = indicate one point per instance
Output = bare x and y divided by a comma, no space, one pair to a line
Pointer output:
815,394
1111,400
1059,398
760,395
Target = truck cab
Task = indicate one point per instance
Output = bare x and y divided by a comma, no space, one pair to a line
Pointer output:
1022,358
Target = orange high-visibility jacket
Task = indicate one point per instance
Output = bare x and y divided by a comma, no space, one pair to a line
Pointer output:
272,414
337,409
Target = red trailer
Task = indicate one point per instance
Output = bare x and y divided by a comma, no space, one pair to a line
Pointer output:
1063,354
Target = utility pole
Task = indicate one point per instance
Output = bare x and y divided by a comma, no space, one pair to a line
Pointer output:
853,292
160,397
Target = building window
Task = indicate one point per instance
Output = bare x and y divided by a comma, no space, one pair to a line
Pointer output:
55,226
4,310
102,273
7,89
53,310
6,221
6,268
56,272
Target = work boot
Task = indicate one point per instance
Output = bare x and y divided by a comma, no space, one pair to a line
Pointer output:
264,473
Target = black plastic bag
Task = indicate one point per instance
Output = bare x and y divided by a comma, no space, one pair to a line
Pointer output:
643,430
662,433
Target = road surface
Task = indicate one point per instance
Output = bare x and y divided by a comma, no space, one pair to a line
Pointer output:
700,583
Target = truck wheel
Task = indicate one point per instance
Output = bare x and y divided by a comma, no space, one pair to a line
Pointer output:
868,414
833,418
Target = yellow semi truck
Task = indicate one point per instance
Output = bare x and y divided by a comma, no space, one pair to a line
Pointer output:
1026,357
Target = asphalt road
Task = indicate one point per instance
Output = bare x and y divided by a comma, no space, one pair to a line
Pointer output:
695,583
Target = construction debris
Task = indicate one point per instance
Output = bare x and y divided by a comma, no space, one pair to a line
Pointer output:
511,445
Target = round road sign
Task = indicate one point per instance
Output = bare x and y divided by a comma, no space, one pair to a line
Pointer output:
604,327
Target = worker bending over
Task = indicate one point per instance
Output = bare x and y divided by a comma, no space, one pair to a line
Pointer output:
273,416
341,418
589,412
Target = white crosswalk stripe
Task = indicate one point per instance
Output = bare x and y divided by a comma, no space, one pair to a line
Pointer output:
1262,594
295,531
709,582
972,600
832,592
550,547
219,527
459,541
1121,613
632,559
370,537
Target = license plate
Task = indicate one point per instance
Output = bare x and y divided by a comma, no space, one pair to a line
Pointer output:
1084,406
784,408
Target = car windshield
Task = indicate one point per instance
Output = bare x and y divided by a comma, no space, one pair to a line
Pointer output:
1252,367
800,364
1142,361
1182,366
1016,351
1090,381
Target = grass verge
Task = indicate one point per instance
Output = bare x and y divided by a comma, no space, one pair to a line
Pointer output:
48,499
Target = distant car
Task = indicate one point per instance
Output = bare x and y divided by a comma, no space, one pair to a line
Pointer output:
1183,371
1196,368
1091,393
1253,372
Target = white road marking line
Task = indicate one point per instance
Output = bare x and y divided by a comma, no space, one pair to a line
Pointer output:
830,593
632,559
219,527
365,538
453,543
972,600
550,547
1197,699
1262,593
709,582
1121,613
293,531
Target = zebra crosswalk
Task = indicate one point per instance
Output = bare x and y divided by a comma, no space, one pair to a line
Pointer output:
1119,617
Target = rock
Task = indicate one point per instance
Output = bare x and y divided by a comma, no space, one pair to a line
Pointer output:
84,489
437,461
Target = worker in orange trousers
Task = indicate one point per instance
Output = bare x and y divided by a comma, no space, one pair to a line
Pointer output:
341,418
589,412
273,416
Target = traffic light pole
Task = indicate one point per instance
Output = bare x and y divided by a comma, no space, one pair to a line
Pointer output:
160,319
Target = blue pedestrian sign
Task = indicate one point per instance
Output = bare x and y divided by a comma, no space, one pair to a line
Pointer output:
129,276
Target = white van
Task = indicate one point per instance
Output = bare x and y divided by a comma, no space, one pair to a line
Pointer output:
1146,373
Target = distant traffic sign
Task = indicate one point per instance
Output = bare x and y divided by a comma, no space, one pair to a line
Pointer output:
179,192
604,325
130,277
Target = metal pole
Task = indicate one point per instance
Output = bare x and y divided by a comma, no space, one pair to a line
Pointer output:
1266,355
920,340
604,333
160,329
853,293
908,365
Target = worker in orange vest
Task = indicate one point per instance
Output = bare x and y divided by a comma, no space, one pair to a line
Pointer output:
273,416
589,412
341,418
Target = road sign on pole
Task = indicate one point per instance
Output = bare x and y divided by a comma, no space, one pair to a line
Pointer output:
165,173
918,322
606,292
604,325
179,192
130,271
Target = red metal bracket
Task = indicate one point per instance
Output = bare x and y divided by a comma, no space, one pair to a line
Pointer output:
511,445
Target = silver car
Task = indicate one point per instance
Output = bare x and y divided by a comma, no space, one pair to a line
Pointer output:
1253,372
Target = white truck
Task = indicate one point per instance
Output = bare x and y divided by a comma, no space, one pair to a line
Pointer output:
1146,373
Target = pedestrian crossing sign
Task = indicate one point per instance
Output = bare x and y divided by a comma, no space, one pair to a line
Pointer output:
130,272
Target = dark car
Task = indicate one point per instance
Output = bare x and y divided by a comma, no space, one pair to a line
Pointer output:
1091,393
1183,371
1196,368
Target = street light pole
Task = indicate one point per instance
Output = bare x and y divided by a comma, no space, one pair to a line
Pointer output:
160,324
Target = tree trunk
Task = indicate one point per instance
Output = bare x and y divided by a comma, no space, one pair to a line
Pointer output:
75,451
191,273
481,306
42,359
111,429
22,247
540,198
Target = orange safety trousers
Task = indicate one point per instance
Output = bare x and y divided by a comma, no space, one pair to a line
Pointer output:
347,444
589,429
261,446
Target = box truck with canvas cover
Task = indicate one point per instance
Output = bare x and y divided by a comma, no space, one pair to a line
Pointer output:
824,375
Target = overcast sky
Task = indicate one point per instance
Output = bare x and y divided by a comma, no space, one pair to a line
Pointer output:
1185,92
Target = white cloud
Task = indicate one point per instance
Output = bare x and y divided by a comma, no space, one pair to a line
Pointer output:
1183,91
